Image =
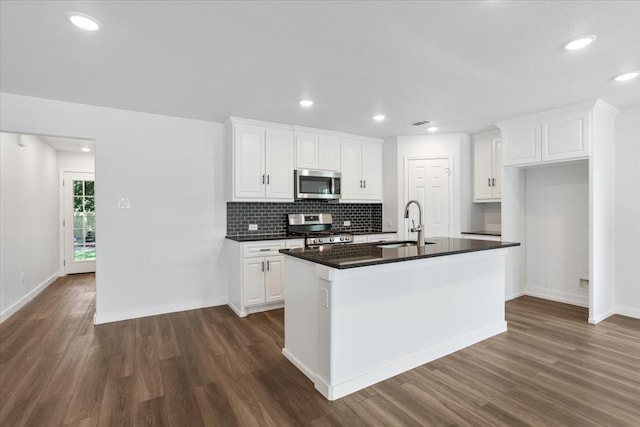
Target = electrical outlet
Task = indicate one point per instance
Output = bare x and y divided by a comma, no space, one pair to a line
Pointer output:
325,297
347,224
253,227
584,284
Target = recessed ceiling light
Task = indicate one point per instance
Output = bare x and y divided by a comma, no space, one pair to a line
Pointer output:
580,42
306,103
379,117
85,149
84,21
432,128
626,76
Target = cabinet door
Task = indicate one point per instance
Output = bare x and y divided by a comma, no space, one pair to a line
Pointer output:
306,151
249,161
565,136
482,169
274,281
329,153
253,281
279,164
351,173
372,171
497,168
521,144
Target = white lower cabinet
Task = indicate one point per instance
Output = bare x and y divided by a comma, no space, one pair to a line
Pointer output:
256,275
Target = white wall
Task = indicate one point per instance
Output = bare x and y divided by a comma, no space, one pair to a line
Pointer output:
557,232
78,162
164,253
28,220
456,145
389,185
627,213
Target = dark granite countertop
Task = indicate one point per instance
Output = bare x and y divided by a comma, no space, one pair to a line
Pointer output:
366,254
483,233
283,236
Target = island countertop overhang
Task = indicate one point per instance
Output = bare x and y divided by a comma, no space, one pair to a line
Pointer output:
367,254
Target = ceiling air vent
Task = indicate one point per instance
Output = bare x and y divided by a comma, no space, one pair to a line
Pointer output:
420,123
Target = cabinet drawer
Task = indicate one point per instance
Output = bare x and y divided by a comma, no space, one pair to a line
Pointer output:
262,248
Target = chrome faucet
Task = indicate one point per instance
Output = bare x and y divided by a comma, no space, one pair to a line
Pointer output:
416,228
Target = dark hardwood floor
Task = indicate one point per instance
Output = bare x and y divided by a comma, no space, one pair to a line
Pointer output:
209,367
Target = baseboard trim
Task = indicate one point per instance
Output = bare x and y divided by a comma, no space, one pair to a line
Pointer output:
514,296
338,390
298,364
101,318
601,317
28,297
627,311
558,296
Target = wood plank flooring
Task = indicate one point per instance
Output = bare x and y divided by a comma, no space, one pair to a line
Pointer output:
209,367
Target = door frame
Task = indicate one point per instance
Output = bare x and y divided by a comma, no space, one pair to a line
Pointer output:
61,212
405,192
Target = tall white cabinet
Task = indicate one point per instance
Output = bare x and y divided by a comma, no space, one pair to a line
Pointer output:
487,168
362,170
261,161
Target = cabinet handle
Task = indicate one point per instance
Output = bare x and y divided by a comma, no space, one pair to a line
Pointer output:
268,175
493,182
263,178
265,249
364,183
263,266
488,182
267,265
360,183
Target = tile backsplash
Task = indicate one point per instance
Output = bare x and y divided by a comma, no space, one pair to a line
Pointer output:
272,217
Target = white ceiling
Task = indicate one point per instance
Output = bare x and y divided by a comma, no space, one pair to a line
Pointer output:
463,65
69,144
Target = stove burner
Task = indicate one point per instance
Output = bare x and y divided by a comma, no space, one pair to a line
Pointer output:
316,228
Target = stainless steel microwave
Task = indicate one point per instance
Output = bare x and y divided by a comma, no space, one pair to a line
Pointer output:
316,184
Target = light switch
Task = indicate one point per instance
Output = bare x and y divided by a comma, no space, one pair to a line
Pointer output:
124,203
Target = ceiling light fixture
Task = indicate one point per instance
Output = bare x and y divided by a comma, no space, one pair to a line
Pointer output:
624,77
379,117
580,42
84,21
85,149
432,128
306,103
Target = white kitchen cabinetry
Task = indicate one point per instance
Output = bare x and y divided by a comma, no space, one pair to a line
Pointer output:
262,161
558,135
361,171
487,168
317,151
256,276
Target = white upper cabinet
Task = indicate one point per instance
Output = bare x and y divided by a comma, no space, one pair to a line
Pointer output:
317,151
262,161
558,135
566,136
361,171
487,168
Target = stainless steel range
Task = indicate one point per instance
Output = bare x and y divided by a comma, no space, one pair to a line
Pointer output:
316,229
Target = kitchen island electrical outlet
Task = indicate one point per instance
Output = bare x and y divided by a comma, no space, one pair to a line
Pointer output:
347,224
325,297
253,227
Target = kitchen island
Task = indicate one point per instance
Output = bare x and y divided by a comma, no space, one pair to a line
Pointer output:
361,313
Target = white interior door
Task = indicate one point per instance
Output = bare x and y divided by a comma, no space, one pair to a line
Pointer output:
429,183
79,223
